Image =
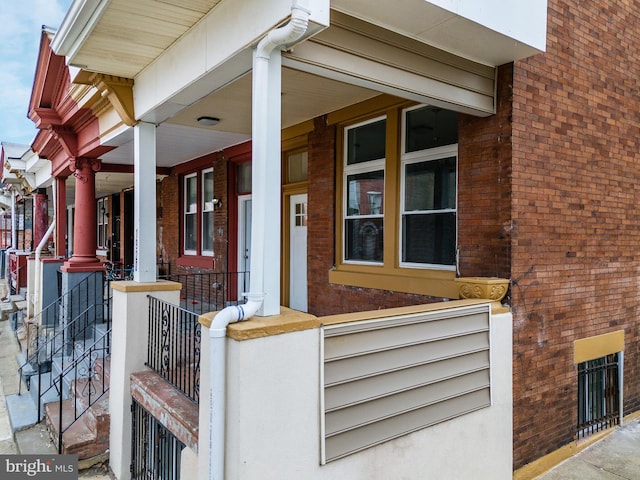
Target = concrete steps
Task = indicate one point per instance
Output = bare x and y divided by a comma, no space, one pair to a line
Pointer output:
85,426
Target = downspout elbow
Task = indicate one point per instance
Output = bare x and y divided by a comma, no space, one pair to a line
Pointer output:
286,34
235,313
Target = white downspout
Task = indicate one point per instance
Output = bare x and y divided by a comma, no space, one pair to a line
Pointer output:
265,164
43,242
266,105
218,367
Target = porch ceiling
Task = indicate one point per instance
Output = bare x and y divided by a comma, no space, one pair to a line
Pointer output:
180,139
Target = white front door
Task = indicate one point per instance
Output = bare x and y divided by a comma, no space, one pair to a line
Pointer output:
244,243
298,252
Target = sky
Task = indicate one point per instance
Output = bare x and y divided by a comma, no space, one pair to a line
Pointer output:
20,26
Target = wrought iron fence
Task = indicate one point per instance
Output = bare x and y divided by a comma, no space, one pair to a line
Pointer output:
64,321
598,394
88,381
174,346
76,348
208,292
155,451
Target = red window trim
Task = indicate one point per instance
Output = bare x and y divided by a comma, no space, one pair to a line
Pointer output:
195,261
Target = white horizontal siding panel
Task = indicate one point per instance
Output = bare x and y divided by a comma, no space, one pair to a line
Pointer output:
361,390
372,434
361,414
407,58
415,330
352,368
387,377
359,52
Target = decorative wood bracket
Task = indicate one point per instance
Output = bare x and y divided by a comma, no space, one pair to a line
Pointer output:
119,92
67,139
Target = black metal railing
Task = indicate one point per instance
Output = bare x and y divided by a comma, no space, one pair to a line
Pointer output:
598,394
174,346
208,292
89,381
63,321
155,451
68,347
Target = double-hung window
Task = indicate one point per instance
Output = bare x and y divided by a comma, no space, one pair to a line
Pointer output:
428,195
102,220
198,213
398,186
363,194
207,212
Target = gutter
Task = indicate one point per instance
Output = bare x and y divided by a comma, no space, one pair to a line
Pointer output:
77,25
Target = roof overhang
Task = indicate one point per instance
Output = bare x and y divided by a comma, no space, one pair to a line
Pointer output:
15,161
491,32
189,58
132,35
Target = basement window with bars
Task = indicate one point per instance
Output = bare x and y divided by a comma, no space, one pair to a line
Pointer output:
598,394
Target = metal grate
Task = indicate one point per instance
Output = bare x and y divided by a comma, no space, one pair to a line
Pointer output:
155,451
598,394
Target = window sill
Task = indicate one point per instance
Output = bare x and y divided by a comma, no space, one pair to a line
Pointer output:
195,261
435,283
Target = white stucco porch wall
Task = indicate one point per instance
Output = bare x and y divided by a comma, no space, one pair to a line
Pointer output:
273,423
130,331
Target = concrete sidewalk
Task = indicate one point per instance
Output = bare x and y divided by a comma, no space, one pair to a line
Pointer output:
615,457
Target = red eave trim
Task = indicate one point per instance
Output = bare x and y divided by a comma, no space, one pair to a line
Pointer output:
197,164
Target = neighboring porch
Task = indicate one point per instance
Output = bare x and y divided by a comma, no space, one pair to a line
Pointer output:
64,353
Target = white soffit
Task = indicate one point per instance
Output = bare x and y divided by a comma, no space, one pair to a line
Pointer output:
121,37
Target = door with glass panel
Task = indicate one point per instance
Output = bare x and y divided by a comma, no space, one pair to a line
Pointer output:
298,252
244,243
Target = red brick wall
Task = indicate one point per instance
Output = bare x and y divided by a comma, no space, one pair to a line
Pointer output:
483,210
221,214
484,187
170,208
170,204
576,177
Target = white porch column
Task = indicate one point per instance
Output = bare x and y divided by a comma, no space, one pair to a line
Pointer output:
144,202
266,180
